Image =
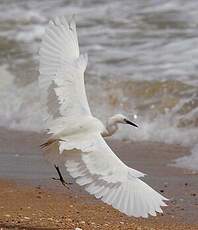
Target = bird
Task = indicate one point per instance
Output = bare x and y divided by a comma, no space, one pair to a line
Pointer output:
76,137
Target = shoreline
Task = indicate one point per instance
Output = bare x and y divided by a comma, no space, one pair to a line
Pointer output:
34,207
30,199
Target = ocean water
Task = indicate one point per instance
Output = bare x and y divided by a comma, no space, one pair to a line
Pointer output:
143,62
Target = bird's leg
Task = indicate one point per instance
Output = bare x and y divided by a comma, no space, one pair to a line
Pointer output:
64,183
49,142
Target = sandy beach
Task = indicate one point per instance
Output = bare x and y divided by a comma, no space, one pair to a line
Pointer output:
30,199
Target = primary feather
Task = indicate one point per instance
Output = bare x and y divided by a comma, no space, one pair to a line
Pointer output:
79,144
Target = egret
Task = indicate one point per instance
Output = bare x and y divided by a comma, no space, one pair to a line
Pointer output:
76,136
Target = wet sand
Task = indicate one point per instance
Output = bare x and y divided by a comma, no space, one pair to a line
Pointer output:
30,199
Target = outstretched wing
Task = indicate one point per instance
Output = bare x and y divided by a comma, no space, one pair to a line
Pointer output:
61,70
95,166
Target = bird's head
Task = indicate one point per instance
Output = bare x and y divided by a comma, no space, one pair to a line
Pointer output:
120,118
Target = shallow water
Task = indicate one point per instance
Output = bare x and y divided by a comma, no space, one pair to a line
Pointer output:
142,57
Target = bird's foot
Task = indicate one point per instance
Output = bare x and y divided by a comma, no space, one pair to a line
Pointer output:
61,179
63,182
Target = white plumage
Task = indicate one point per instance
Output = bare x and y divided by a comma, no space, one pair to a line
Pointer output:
76,136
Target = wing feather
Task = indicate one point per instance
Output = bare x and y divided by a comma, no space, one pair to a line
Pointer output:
104,175
61,77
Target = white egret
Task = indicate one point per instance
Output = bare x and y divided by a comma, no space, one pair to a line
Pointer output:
77,136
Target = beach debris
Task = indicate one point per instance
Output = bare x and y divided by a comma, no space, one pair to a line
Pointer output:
193,194
165,184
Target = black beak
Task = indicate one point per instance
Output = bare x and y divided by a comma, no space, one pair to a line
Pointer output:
130,123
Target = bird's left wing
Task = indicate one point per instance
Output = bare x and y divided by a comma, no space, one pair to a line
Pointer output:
104,175
61,79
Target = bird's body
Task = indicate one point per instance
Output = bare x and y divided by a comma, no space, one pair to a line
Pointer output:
76,136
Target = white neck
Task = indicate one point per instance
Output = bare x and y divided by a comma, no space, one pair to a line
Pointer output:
111,127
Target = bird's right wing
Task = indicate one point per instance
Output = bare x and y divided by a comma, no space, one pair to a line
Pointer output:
104,175
61,79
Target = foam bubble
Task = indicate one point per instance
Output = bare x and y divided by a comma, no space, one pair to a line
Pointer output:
30,34
19,106
190,161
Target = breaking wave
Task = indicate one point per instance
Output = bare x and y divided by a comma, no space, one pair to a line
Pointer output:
142,59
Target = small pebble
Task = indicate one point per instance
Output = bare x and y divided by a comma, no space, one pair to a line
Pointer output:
50,218
78,228
7,215
26,218
165,184
121,222
82,222
162,190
